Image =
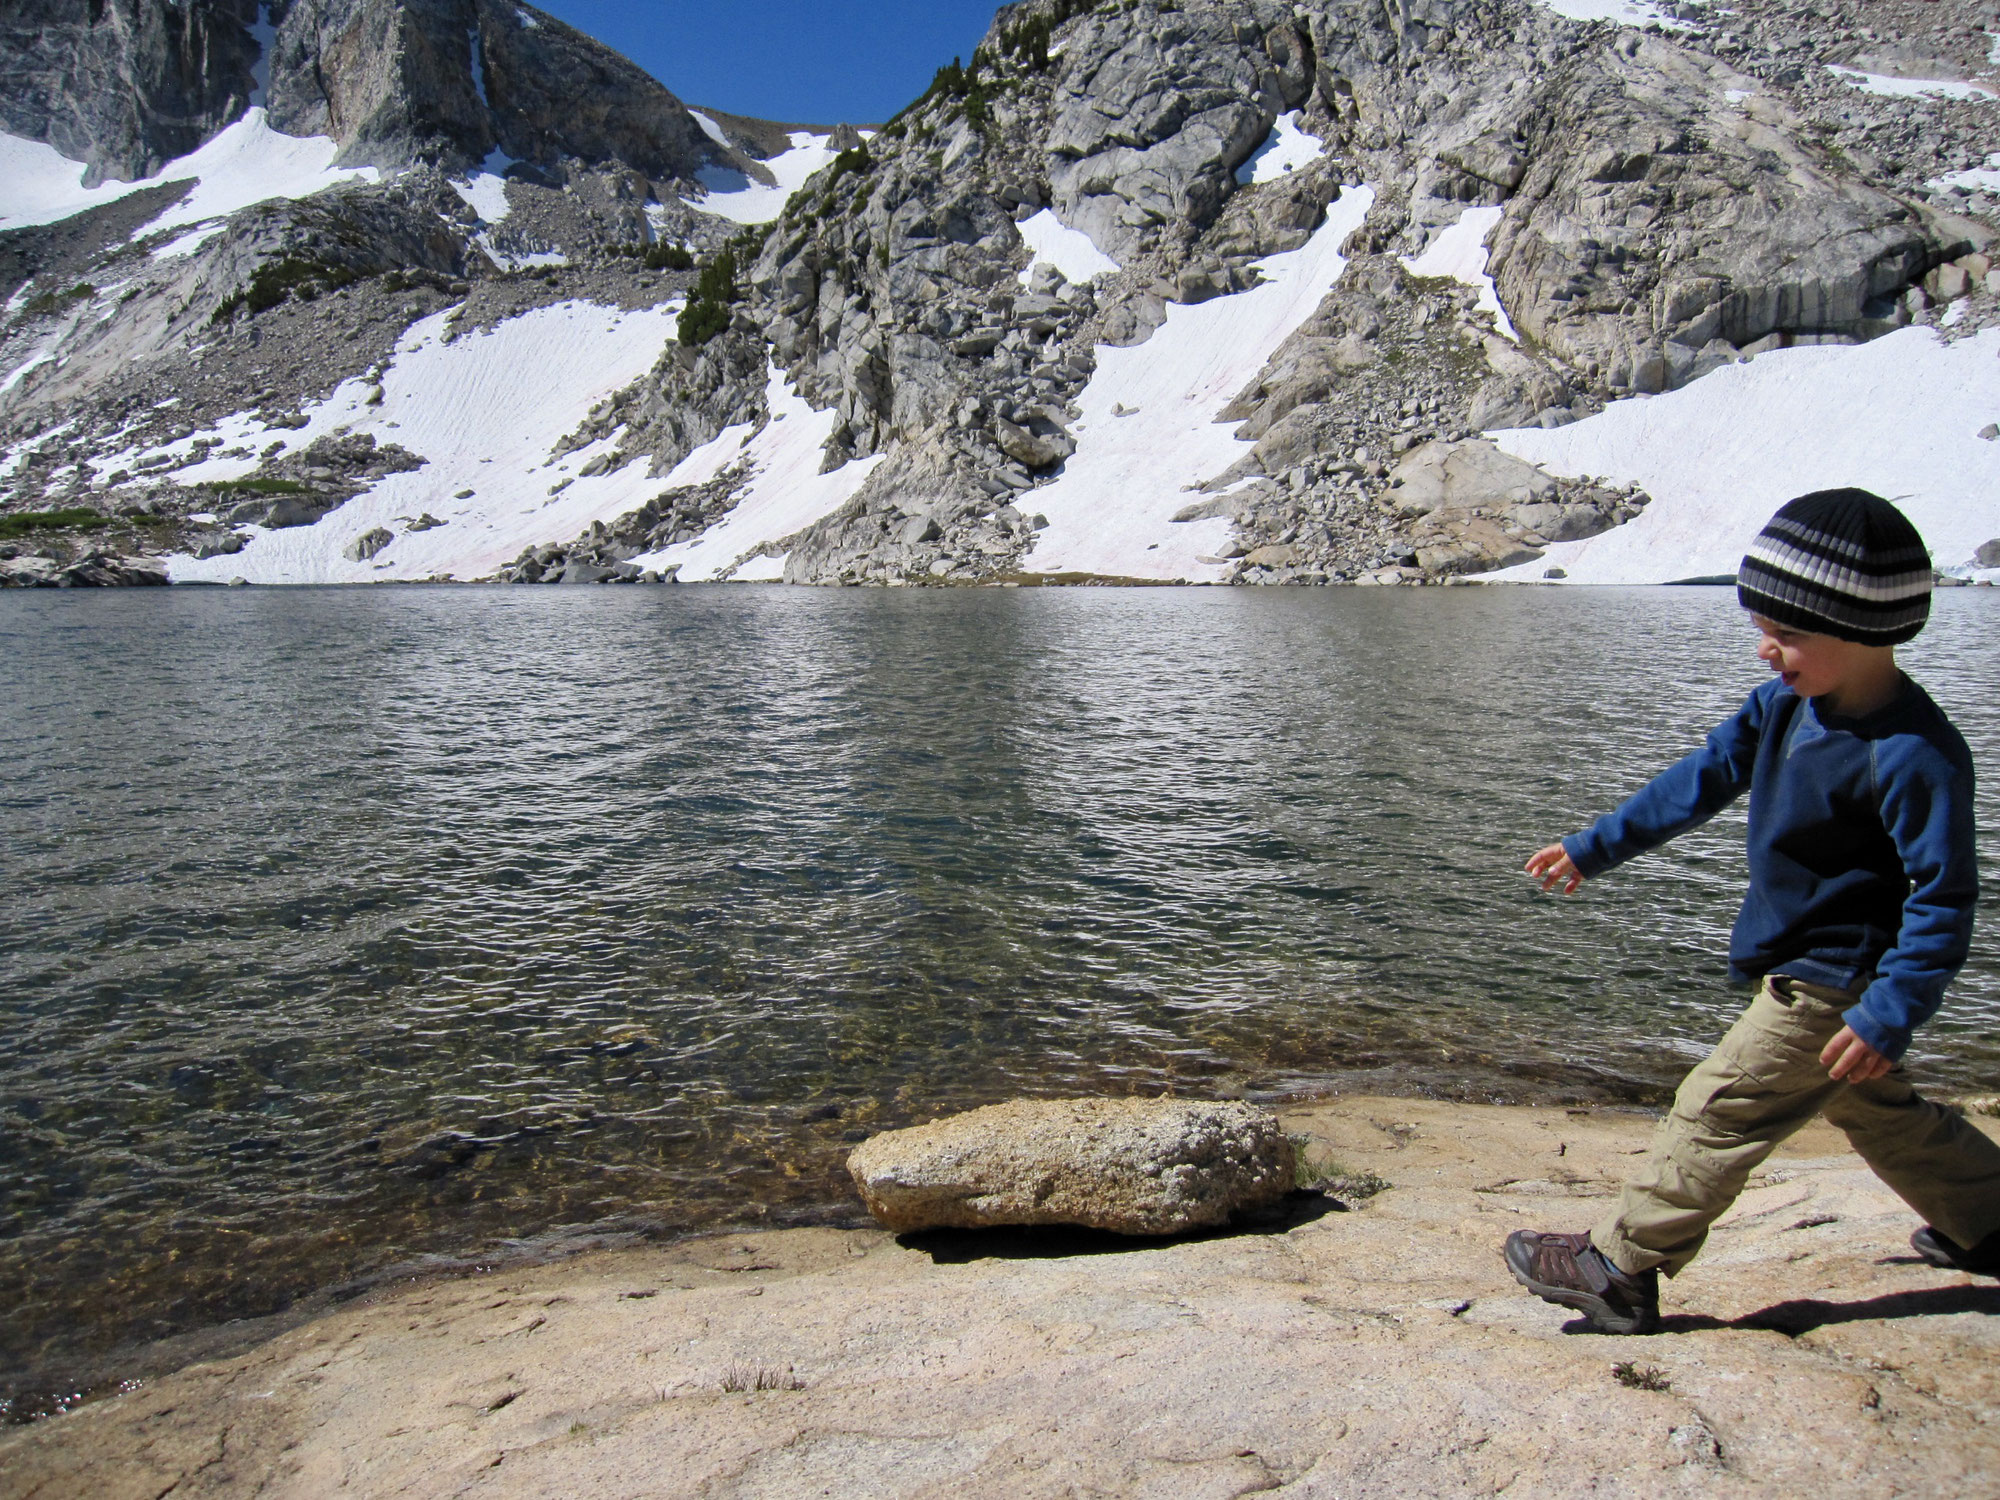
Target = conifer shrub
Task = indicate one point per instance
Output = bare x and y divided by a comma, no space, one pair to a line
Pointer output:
258,486
715,292
290,276
51,302
855,159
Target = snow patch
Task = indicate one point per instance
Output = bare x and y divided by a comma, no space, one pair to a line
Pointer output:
528,22
486,410
733,196
485,191
712,130
518,260
1737,96
1911,88
1284,151
245,163
786,494
1110,509
1617,12
1460,253
1984,179
1899,416
41,356
248,163
478,66
190,242
1070,251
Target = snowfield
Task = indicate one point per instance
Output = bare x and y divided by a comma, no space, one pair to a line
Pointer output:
1899,416
735,197
1147,435
244,163
486,410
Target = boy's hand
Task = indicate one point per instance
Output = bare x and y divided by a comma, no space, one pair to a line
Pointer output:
1552,867
1850,1060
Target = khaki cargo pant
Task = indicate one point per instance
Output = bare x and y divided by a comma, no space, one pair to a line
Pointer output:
1763,1082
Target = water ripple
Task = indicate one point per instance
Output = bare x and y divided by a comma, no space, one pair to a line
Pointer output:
343,926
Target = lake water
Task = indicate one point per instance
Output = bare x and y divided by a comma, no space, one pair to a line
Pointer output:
341,928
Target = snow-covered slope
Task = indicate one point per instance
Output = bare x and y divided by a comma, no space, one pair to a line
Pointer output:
786,492
1900,416
486,410
247,162
1147,431
734,196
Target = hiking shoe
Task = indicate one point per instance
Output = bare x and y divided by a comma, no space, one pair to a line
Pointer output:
1568,1270
1983,1259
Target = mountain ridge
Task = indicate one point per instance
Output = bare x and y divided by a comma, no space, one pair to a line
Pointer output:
1561,216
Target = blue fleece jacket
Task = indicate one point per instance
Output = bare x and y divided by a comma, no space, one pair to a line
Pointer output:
1862,869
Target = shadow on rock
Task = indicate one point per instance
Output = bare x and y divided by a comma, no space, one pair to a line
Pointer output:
957,1247
1802,1315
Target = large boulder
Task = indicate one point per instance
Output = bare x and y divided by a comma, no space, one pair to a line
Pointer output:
1133,1166
1458,476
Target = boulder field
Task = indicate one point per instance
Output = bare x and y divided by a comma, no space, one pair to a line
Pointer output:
1364,1340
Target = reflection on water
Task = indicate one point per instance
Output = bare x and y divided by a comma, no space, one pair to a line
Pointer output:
343,926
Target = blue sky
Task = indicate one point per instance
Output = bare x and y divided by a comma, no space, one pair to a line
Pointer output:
815,62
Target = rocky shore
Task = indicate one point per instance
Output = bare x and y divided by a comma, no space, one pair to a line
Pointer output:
1363,1340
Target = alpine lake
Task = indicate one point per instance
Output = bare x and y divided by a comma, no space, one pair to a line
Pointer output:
346,933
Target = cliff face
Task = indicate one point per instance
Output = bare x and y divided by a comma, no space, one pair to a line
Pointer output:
124,85
1349,236
450,81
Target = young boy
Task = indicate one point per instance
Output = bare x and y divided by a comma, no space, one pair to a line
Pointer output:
1859,911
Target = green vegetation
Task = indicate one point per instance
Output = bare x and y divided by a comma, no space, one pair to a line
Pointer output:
287,277
55,302
855,159
1640,1377
1028,43
954,81
74,518
715,292
258,487
659,257
1322,1172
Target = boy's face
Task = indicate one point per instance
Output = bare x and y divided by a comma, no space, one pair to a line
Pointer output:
1812,665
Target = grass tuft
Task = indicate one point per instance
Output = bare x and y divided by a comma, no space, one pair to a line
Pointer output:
1319,1171
1640,1377
760,1378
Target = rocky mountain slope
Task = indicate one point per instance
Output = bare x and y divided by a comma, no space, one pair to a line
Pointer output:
1223,290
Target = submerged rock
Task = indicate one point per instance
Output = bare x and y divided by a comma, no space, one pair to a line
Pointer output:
1133,1166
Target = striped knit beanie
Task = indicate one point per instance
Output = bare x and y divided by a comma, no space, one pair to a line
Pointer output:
1843,563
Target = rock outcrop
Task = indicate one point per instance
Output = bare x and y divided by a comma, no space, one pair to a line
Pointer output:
1132,1166
1383,1350
124,86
